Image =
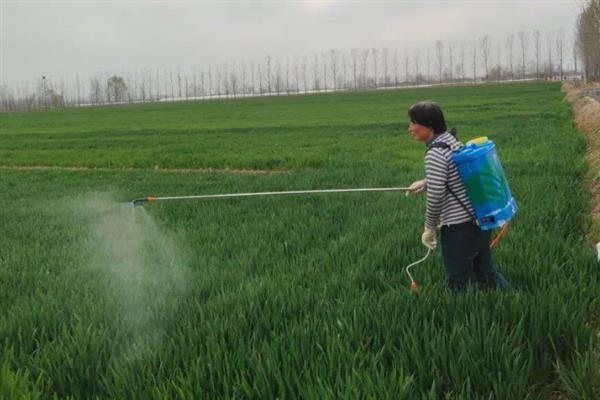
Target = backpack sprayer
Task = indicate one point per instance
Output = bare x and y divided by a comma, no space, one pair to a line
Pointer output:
478,165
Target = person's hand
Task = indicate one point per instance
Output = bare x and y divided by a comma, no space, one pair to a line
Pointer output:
429,238
417,187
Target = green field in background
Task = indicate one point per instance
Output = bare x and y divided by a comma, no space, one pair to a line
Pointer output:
289,297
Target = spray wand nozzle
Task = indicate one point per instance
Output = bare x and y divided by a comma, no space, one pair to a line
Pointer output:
141,202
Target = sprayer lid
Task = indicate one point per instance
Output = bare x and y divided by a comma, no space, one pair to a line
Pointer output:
478,141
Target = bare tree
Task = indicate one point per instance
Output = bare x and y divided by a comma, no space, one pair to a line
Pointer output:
179,81
287,75
417,58
374,52
484,43
364,59
474,59
324,61
244,78
333,63
462,62
297,74
278,80
395,67
316,83
172,83
575,56
95,91
451,60
537,44
78,89
509,52
268,61
560,49
406,62
345,70
233,80
194,83
550,66
148,81
253,77
217,80
131,86
143,85
354,61
260,78
165,85
203,87
428,64
305,73
157,84
498,66
523,43
209,76
222,73
439,57
588,39
384,63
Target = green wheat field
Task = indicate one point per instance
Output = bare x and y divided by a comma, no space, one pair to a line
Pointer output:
286,297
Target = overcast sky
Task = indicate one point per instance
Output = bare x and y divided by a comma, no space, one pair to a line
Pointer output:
64,38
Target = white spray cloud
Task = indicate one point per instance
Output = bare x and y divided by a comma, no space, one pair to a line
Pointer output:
144,268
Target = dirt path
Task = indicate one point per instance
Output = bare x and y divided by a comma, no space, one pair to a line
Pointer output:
155,169
585,102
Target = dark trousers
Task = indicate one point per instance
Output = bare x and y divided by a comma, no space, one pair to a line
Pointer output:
468,258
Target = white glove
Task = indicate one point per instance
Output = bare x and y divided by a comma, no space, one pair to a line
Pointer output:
417,187
429,238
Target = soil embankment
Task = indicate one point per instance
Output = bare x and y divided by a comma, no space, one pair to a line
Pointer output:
585,102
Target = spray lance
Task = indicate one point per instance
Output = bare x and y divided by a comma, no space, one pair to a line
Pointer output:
152,199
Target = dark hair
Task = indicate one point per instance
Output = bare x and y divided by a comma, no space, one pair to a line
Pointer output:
428,113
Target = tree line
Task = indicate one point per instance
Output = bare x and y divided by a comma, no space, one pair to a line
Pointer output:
524,55
588,39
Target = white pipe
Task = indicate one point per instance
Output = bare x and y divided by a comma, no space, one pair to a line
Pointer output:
412,281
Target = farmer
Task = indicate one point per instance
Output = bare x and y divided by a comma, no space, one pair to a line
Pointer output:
465,247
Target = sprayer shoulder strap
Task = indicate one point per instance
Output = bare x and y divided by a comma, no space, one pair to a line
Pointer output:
437,145
461,203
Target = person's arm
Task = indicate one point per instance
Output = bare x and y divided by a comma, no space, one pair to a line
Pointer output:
436,172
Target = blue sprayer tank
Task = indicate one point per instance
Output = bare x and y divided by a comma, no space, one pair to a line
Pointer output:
483,177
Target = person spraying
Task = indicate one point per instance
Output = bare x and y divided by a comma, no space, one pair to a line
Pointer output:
465,246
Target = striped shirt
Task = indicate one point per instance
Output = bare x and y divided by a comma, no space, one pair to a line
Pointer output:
442,207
